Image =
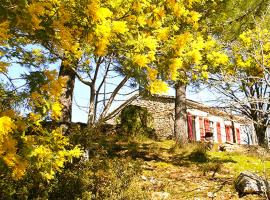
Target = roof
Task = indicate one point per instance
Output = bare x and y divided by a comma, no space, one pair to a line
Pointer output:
216,111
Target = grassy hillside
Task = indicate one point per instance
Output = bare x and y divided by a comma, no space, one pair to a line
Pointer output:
189,172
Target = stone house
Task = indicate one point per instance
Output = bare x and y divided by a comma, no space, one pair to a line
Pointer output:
201,119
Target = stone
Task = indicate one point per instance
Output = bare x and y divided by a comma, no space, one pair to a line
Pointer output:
211,195
152,180
231,147
250,183
160,195
144,178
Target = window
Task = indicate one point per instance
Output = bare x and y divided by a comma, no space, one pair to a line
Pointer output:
211,124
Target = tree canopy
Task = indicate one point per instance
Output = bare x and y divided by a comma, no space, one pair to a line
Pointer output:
154,43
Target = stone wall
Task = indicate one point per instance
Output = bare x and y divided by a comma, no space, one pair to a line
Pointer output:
162,110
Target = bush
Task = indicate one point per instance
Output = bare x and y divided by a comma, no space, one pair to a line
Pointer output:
100,178
136,120
199,153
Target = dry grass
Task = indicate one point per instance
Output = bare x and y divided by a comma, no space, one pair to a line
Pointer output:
190,172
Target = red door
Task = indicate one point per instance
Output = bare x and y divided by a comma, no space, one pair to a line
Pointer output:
238,135
201,128
206,125
219,132
228,133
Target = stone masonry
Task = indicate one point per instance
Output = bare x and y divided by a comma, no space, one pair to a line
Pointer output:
162,110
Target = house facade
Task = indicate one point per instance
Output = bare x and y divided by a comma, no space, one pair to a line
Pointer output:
201,120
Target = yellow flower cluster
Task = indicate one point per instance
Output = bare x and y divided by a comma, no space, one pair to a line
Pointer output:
6,126
44,151
158,86
47,98
245,37
56,110
140,60
176,64
119,27
163,33
182,40
3,66
142,29
8,149
36,9
50,156
4,35
152,73
218,58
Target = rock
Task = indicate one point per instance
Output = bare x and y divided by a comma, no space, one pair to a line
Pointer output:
152,180
211,195
144,178
160,195
250,183
231,147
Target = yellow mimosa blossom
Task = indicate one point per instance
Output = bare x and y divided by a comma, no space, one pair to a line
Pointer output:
151,56
101,47
194,16
218,58
176,64
140,60
163,33
196,56
245,38
150,42
152,73
4,27
6,126
179,10
141,20
181,40
119,27
103,30
158,86
56,110
19,169
103,13
3,66
35,117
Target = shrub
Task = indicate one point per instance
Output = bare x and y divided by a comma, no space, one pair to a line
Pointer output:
136,120
100,178
199,153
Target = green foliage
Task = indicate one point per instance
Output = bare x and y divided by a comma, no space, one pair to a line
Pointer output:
99,178
31,153
229,18
236,162
136,120
199,154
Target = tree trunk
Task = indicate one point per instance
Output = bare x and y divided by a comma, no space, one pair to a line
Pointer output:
66,98
112,97
91,112
260,133
233,132
180,123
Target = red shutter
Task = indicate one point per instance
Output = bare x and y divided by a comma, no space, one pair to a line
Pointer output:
219,133
201,128
228,133
238,135
206,125
190,131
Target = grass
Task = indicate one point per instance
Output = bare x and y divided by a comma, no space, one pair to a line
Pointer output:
186,173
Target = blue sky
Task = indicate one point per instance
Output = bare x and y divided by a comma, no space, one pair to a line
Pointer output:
82,93
81,97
